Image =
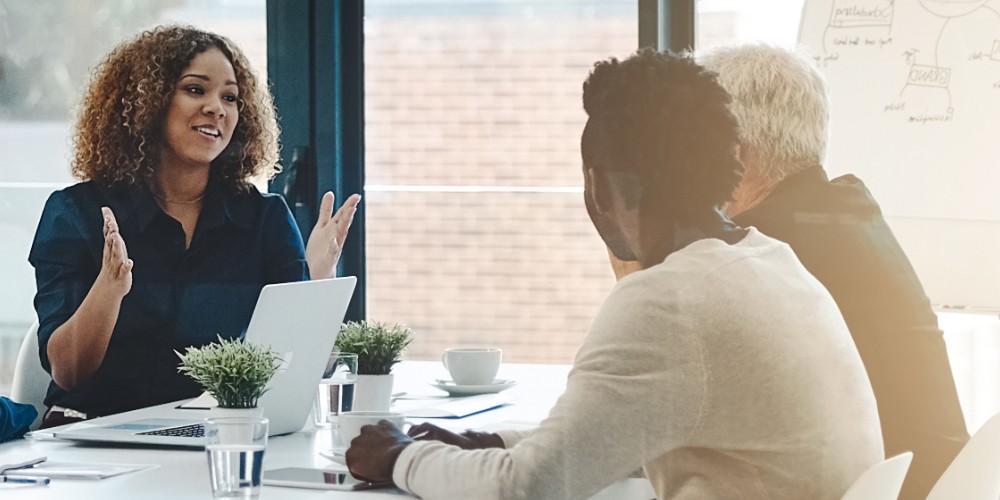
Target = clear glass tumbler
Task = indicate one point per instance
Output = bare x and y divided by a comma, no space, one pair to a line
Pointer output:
335,394
235,451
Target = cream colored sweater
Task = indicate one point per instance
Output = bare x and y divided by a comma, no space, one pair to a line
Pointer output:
725,372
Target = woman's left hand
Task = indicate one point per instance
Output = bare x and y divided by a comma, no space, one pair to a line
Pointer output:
327,238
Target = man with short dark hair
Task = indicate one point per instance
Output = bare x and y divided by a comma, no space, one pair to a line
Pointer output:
695,368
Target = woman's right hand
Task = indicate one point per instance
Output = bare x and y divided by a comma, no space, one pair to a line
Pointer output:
116,269
77,348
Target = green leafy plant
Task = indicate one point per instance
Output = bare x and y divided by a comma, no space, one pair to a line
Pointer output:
234,371
378,345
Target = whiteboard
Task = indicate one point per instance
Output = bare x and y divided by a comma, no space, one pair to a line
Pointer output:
915,113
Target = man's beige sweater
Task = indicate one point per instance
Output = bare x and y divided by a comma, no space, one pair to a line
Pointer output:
725,372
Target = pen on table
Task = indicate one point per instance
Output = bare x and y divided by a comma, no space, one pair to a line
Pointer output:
26,479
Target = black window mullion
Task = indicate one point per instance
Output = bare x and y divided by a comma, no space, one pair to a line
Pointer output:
340,124
316,72
289,47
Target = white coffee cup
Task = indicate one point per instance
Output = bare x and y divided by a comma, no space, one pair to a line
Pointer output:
472,365
350,423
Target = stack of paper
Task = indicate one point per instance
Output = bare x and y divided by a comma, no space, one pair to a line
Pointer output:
69,470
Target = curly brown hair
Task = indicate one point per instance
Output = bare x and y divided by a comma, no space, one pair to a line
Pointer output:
119,129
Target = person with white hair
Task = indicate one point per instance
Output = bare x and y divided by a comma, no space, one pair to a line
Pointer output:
836,229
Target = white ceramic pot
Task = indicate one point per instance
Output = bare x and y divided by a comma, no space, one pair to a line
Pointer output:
373,393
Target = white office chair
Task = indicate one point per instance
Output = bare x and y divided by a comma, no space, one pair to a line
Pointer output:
882,481
31,381
975,472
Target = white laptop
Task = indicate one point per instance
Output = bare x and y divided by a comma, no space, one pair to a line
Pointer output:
300,321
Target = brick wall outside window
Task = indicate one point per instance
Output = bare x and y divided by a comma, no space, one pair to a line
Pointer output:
492,98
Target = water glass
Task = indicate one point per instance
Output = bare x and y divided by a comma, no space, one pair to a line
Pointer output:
235,450
335,394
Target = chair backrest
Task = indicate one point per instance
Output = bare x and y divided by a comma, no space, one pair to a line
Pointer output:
975,472
31,381
882,481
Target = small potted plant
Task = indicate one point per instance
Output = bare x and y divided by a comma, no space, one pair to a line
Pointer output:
379,347
234,371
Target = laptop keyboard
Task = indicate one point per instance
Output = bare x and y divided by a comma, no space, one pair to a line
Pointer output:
193,430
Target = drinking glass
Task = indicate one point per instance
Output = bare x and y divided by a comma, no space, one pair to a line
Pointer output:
335,394
236,455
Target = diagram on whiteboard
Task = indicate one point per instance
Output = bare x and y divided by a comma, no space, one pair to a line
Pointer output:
934,48
915,100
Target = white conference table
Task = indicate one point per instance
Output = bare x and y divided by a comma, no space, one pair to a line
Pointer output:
183,473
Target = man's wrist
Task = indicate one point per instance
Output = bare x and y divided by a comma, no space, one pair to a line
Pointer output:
492,440
392,456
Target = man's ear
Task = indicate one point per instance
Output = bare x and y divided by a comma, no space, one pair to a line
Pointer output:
598,188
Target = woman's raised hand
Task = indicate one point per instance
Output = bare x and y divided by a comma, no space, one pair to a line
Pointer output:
116,268
327,238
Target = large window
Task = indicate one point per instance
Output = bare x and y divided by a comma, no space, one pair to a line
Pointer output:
46,52
476,228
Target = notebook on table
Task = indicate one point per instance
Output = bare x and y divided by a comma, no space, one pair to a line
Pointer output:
453,407
299,321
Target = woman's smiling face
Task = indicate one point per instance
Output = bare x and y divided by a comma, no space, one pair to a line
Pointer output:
203,112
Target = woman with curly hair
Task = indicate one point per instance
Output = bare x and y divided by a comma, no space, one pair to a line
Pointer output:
171,130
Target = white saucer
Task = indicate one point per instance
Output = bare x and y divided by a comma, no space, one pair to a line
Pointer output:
454,389
335,455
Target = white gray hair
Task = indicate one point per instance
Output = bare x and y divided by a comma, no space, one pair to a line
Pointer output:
780,102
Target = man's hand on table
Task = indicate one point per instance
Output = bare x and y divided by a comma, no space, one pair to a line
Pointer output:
373,454
468,440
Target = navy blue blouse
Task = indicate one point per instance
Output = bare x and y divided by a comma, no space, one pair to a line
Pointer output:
179,298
